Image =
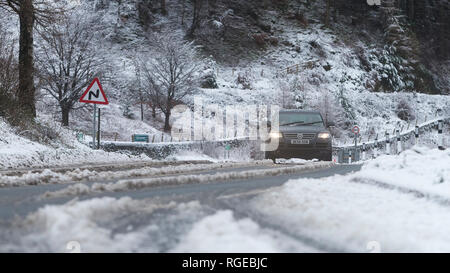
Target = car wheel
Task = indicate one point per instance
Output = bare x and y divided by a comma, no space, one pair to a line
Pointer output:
328,157
271,156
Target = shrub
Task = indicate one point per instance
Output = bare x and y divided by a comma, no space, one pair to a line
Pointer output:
244,80
404,111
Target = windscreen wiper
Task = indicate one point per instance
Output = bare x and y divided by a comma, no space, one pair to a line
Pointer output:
301,123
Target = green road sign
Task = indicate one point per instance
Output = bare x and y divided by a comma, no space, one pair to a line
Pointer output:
140,138
80,137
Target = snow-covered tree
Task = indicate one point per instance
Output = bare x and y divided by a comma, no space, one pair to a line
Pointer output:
8,73
67,60
30,12
170,72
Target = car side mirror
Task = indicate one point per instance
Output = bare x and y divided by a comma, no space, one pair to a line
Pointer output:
330,124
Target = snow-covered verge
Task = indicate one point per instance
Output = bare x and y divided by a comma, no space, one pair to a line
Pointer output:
19,152
420,168
127,225
363,209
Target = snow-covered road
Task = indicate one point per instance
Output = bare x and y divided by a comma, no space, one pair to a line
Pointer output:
391,204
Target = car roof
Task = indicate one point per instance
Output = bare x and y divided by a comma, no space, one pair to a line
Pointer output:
299,111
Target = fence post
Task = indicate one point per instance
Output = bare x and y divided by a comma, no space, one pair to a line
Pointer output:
153,139
162,137
441,135
388,144
399,141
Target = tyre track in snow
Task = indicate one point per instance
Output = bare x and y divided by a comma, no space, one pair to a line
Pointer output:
210,195
77,175
22,200
241,212
222,176
441,200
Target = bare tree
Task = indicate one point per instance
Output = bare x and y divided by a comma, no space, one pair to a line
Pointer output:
42,12
163,7
171,73
8,74
196,17
68,62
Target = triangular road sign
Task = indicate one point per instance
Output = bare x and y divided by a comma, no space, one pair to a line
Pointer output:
94,94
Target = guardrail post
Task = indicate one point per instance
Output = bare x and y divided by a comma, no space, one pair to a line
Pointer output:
399,141
441,135
364,151
416,135
375,148
349,156
341,156
388,144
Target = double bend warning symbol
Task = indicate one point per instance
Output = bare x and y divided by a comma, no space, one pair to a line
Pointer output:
94,94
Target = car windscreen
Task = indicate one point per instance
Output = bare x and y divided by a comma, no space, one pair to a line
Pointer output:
299,119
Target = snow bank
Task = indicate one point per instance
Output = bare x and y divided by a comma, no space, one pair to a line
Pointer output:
221,232
190,155
102,225
127,225
52,228
353,212
420,168
19,152
49,176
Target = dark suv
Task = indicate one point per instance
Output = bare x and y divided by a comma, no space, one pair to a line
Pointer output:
302,134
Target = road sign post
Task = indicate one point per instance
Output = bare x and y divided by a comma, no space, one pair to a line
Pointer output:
94,127
94,94
98,130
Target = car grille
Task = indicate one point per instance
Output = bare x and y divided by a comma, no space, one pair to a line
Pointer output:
294,135
321,145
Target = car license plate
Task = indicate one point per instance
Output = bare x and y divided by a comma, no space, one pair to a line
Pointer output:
299,141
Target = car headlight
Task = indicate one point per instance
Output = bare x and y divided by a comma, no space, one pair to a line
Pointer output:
275,135
324,135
